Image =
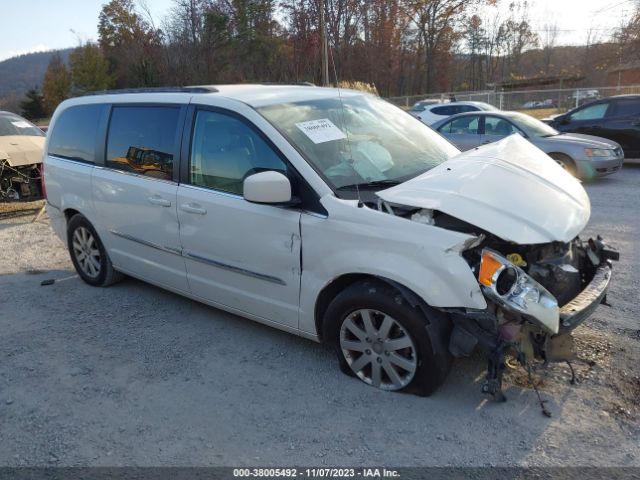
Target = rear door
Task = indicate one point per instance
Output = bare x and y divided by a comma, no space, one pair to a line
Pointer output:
623,125
463,132
134,192
239,255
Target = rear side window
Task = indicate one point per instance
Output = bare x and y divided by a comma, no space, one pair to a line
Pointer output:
142,140
468,108
74,133
448,110
627,108
462,126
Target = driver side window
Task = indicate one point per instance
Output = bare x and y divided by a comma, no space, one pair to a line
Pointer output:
225,150
592,112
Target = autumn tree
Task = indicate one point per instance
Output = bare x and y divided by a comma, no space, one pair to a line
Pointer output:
197,33
518,35
438,23
90,69
130,43
56,86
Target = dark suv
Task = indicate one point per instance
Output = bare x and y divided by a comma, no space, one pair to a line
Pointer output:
615,118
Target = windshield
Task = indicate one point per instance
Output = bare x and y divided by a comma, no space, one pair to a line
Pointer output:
11,124
359,139
533,126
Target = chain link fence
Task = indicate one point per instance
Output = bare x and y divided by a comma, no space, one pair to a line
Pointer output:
558,100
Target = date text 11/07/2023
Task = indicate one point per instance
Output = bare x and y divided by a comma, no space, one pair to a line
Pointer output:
315,473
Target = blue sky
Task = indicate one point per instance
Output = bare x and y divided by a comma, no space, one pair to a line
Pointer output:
38,25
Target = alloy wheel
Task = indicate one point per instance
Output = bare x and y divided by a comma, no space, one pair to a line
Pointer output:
378,349
86,251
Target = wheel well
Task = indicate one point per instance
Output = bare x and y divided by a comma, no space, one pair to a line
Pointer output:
70,212
561,156
330,291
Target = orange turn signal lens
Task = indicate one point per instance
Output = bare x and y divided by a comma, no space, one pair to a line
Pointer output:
489,265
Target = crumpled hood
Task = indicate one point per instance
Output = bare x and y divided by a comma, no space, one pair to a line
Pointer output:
21,150
509,188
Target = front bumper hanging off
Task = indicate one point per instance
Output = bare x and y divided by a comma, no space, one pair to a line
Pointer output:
584,304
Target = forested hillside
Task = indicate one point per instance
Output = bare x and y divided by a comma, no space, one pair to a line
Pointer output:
19,74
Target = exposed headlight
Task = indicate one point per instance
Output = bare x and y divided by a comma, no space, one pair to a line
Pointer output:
510,287
599,152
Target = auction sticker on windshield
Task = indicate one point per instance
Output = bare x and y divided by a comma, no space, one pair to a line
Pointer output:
320,131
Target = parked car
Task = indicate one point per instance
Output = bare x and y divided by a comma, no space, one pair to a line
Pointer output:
548,103
616,118
21,146
580,97
436,112
584,156
420,106
332,215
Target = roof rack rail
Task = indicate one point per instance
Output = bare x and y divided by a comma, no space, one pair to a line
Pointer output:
155,90
293,84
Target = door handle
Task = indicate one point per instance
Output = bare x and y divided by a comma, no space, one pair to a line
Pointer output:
158,200
193,208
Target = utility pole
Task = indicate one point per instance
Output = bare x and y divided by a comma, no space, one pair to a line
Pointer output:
324,50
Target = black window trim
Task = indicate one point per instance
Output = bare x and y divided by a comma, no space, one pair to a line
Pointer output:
311,200
104,137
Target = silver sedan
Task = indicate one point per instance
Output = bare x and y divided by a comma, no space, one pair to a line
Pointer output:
585,156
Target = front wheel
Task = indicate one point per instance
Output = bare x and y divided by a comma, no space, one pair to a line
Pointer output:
381,339
565,162
88,254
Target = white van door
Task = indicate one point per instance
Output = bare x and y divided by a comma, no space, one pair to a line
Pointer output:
134,193
238,255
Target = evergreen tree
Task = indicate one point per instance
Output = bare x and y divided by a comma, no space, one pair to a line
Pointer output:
32,107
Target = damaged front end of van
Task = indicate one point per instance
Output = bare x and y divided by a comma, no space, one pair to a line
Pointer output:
539,275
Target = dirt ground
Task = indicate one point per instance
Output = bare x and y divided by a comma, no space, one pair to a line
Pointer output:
134,375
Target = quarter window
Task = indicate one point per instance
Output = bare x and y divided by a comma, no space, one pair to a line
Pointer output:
74,133
225,150
142,140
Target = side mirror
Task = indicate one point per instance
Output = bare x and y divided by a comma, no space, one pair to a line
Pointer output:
563,120
269,187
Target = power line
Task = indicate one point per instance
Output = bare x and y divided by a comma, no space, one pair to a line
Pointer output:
604,9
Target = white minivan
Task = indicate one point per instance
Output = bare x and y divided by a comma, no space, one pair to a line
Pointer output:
332,215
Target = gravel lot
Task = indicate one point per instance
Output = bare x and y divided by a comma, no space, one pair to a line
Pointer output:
134,375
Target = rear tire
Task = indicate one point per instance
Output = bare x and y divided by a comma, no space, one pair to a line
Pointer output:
566,162
88,254
383,340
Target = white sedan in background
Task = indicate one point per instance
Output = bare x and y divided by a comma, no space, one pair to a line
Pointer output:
439,111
